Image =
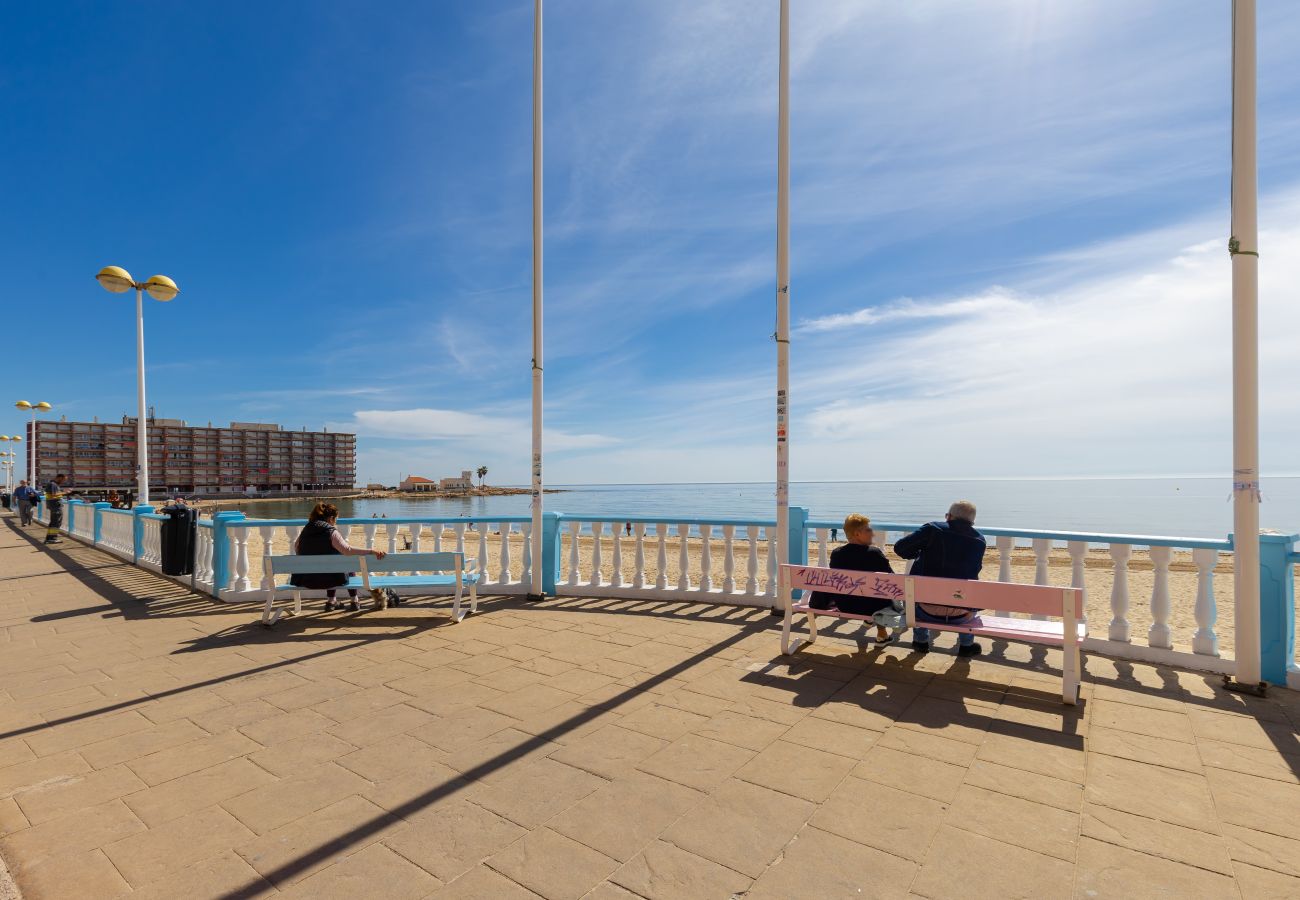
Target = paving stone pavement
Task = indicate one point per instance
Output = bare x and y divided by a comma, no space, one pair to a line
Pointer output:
155,743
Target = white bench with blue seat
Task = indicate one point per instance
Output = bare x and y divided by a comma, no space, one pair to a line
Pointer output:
1040,601
378,577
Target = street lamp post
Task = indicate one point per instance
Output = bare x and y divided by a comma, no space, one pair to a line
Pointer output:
7,463
117,280
33,408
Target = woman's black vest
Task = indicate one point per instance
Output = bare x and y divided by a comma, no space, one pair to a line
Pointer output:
315,539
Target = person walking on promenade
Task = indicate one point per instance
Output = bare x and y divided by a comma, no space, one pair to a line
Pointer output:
54,495
26,497
948,549
320,537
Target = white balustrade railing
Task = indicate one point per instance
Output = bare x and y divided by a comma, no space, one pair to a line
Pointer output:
117,531
725,561
151,541
1169,637
609,557
490,547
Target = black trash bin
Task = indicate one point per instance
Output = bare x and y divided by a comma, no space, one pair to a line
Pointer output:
178,540
4,498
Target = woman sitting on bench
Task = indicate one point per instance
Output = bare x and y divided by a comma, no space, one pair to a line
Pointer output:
860,556
320,537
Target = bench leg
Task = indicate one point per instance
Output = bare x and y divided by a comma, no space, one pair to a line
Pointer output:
270,615
297,603
473,597
456,614
1070,670
812,627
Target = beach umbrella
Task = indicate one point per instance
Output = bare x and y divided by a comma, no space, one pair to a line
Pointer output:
535,588
1243,250
783,308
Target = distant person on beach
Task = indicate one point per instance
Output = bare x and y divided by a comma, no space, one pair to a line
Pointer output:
628,528
835,534
26,498
948,549
860,556
320,537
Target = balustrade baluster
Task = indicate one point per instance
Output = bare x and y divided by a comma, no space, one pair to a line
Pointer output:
1205,641
638,576
503,574
267,533
526,578
821,538
706,557
728,559
617,561
1078,559
417,534
390,530
1042,550
241,559
369,532
683,559
770,534
751,565
482,549
597,528
1006,548
661,577
436,530
459,530
573,552
1120,555
1160,635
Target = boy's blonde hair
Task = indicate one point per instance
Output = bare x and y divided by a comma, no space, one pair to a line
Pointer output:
855,522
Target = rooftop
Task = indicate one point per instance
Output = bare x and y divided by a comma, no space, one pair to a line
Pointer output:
155,741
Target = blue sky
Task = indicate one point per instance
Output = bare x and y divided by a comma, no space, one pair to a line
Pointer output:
1008,230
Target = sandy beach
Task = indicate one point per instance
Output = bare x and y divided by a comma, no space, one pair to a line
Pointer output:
1098,573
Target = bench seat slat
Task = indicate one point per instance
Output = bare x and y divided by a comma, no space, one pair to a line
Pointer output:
415,580
1034,630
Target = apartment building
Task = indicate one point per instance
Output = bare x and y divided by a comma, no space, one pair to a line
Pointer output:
185,459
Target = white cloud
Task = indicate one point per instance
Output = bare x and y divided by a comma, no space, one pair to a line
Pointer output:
461,427
996,300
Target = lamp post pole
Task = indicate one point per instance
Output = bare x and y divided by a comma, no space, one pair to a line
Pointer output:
535,589
117,280
783,311
141,430
1243,247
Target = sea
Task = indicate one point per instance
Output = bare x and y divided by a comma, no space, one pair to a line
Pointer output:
1177,507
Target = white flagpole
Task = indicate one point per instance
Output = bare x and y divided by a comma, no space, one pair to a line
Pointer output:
535,588
1243,247
783,310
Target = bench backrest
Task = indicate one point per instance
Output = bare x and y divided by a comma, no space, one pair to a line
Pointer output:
326,563
1035,599
415,562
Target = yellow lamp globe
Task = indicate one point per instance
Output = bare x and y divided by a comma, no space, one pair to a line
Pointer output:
160,287
115,279
43,406
23,404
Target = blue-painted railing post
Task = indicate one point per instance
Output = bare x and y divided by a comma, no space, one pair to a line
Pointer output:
550,552
221,549
797,542
99,519
137,532
1276,606
71,525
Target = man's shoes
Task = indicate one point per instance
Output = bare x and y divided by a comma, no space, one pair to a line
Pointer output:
54,541
921,646
969,650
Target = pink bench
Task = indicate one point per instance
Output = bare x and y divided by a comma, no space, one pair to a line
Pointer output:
1062,604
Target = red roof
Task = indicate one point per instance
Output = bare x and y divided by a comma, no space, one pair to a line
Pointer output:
415,478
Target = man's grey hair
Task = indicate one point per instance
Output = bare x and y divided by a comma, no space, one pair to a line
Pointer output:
963,509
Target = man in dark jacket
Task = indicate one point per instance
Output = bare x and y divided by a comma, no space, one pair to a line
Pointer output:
948,549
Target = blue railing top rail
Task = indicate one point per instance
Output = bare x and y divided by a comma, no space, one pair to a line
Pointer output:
1143,540
665,520
391,520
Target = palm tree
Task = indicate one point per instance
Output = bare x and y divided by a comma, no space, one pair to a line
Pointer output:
482,473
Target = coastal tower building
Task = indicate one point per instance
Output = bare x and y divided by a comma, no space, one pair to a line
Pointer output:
183,459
